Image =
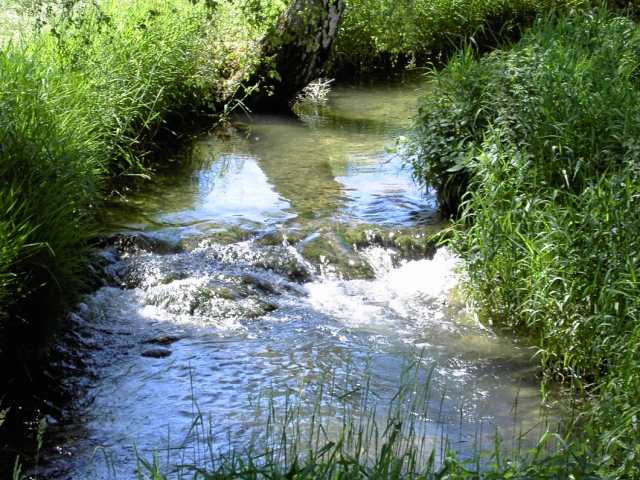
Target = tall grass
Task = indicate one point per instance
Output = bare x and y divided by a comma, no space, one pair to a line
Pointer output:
340,429
85,91
535,149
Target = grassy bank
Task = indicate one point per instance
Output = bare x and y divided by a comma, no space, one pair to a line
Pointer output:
535,149
86,90
392,34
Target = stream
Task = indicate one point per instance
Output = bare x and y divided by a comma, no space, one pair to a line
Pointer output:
278,256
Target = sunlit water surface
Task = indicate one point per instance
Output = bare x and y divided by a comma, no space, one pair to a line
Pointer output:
247,285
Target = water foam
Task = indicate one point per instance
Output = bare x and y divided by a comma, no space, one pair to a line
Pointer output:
396,293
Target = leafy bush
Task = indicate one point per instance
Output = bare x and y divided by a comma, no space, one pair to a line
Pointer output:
556,112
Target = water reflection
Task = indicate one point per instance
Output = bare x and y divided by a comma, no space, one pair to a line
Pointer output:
334,164
300,163
233,189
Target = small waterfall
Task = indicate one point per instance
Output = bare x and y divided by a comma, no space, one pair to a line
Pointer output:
394,295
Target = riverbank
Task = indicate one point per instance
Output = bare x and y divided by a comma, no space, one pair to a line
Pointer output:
89,94
533,149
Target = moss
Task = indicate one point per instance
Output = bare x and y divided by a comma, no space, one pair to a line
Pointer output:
410,243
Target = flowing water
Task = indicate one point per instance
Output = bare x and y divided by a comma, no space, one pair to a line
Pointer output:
278,256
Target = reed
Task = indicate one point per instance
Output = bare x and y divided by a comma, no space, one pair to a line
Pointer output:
86,90
534,149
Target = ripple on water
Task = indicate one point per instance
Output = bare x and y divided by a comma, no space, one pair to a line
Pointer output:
245,282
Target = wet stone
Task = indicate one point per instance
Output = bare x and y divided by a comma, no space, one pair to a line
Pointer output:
259,308
163,340
131,243
223,236
282,260
412,243
209,301
260,283
173,276
228,293
280,238
145,270
333,257
104,269
156,352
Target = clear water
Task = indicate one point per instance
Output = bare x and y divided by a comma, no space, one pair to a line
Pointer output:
248,285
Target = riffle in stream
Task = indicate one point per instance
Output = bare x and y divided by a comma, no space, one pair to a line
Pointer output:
288,254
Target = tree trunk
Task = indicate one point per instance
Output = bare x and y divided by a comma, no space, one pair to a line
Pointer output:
295,51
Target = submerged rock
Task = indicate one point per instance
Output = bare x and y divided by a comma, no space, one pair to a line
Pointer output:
282,237
335,251
333,257
156,352
164,340
282,260
261,283
207,300
228,292
411,243
133,242
104,269
223,236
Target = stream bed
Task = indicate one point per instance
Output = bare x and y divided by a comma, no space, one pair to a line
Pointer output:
279,256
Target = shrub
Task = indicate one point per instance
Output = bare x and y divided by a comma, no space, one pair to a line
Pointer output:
566,94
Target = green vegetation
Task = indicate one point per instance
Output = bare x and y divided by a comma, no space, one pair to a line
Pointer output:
340,429
536,150
399,33
85,91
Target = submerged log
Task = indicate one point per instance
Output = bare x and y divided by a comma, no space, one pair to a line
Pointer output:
295,51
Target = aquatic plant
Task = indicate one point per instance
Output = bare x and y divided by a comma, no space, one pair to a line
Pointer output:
317,92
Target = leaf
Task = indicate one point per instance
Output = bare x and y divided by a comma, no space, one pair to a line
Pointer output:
456,168
3,415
